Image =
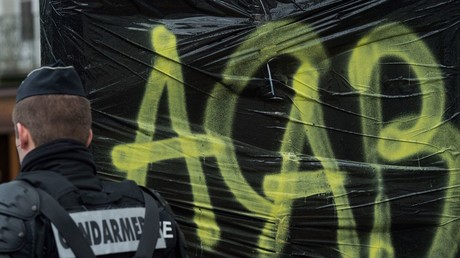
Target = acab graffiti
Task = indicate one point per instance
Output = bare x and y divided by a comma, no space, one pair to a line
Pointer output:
426,133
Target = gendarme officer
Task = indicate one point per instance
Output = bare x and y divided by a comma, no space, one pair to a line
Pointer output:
58,207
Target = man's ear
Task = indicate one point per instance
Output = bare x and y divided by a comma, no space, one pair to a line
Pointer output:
23,136
90,138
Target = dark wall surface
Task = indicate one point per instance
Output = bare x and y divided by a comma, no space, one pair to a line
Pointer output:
278,128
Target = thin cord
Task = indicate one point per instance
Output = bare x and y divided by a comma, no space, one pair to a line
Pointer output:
270,78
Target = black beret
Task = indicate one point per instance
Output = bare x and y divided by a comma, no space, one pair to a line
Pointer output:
51,80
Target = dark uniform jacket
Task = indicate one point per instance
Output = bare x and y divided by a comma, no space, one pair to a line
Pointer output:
110,214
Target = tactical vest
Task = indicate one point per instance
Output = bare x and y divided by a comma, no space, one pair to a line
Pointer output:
121,219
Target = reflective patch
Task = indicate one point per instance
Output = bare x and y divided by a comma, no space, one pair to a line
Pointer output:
110,231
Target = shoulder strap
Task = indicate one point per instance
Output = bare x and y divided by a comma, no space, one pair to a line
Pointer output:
65,225
151,230
182,244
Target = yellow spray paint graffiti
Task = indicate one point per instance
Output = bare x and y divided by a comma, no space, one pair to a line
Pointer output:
397,140
167,74
300,42
402,137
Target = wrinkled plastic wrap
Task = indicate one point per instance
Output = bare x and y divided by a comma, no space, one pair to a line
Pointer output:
278,128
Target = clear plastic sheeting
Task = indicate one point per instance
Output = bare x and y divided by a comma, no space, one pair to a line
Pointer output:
278,128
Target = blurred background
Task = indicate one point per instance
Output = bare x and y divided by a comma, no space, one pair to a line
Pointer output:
19,54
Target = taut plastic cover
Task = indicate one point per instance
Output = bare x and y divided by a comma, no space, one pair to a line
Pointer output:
278,128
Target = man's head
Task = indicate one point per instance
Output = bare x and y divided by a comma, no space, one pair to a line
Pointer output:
51,105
